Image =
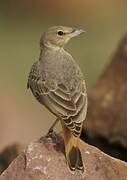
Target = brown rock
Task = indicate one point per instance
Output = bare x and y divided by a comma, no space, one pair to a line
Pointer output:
107,111
8,155
45,160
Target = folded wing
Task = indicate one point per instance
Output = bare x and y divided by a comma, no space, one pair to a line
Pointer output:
68,105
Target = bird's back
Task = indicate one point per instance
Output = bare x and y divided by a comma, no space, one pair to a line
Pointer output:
59,67
56,81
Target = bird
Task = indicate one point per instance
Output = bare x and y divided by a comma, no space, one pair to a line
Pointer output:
57,82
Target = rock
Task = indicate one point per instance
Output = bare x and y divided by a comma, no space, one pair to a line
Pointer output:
107,111
8,154
45,160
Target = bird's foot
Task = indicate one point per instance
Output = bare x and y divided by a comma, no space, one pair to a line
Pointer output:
50,133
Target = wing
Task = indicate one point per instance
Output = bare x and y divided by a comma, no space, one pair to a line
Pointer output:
75,122
33,75
70,105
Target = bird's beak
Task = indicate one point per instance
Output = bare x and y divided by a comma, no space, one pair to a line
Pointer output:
76,32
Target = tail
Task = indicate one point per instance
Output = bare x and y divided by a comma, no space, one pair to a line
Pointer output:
73,154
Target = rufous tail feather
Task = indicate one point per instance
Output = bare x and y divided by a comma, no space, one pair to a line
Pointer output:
73,153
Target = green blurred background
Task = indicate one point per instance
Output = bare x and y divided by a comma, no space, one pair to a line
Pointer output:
22,22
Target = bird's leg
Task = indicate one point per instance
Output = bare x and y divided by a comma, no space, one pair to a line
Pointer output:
50,131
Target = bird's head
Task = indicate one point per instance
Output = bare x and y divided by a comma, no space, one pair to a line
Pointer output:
58,36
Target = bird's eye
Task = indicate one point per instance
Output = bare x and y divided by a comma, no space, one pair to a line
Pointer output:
60,33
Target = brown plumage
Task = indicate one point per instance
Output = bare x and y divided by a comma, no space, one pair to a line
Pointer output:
57,82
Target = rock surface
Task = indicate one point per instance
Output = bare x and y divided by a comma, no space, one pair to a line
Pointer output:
45,160
9,154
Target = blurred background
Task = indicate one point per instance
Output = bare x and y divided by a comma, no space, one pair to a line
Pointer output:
22,118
